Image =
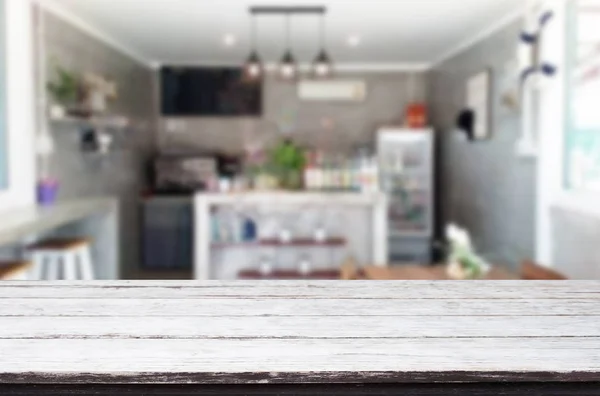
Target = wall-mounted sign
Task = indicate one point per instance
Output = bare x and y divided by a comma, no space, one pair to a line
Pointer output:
479,101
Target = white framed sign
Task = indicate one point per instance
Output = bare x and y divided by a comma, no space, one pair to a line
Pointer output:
479,100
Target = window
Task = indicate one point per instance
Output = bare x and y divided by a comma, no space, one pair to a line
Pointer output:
17,105
3,136
582,139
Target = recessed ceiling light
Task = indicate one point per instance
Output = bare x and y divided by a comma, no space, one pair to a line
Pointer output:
353,40
229,40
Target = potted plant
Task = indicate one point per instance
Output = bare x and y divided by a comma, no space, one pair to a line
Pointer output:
64,90
288,161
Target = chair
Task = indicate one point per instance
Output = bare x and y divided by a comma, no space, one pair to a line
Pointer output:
14,270
62,259
533,271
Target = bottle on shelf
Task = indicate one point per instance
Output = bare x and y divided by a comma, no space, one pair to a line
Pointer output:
304,266
326,167
224,232
317,174
215,229
265,266
310,172
320,233
237,228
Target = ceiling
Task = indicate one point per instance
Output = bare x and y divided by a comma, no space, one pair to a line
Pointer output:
391,32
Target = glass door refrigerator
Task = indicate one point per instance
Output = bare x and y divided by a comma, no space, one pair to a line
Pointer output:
407,176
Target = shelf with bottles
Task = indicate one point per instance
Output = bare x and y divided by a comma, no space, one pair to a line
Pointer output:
409,197
251,274
302,265
278,243
413,219
399,156
239,228
410,210
408,172
341,173
400,184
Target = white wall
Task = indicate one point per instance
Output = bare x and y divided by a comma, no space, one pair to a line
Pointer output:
21,106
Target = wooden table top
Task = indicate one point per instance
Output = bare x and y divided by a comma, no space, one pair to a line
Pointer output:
299,332
420,272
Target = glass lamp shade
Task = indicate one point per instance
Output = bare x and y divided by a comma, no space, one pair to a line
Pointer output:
253,69
288,70
322,67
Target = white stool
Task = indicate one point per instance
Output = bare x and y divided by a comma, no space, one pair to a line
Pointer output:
14,271
73,256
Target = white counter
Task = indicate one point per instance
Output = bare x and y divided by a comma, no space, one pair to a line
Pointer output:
376,204
95,218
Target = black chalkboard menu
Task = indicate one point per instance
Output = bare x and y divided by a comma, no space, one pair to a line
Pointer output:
209,92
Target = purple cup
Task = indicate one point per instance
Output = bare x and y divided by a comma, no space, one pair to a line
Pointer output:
47,192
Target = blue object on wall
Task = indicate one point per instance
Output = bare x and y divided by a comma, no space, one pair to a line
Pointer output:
3,126
250,230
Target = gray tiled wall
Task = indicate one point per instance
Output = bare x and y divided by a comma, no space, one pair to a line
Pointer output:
122,172
575,240
354,124
484,186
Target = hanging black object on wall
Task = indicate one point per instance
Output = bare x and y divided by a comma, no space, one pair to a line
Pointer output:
466,123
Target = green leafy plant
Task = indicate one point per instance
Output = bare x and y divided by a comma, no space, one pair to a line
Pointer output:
287,155
287,162
65,87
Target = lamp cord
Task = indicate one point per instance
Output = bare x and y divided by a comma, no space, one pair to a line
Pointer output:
323,31
253,32
287,31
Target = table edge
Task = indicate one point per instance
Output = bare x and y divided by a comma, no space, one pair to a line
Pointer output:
266,378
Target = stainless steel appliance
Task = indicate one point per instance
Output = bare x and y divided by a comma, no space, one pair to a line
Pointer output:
183,174
407,176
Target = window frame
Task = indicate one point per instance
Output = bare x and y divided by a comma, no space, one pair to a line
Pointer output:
20,105
553,192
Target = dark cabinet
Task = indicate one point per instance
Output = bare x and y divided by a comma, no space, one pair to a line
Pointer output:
168,234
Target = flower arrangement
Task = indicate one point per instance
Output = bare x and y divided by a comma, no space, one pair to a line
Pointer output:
463,262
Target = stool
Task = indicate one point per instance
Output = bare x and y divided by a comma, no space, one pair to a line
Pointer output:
72,254
15,270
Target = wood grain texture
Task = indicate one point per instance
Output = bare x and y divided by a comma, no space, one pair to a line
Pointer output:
299,332
472,290
487,389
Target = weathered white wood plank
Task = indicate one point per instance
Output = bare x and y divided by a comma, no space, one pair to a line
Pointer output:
472,290
167,332
295,307
323,327
276,356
